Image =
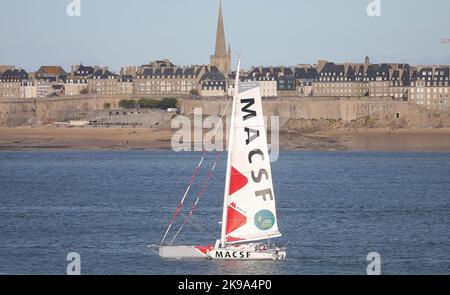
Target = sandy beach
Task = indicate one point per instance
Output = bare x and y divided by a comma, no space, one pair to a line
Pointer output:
83,138
26,138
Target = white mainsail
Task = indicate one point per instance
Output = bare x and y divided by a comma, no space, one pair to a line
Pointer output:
249,206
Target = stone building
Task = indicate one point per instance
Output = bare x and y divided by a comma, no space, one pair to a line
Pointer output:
354,81
330,80
28,89
75,86
103,82
10,83
267,83
341,80
400,82
166,79
44,88
430,88
287,85
213,83
378,76
267,80
305,76
275,81
126,85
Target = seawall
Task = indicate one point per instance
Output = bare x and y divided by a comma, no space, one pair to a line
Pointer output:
41,111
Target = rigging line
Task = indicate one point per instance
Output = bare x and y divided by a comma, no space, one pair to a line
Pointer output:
221,117
199,196
199,225
180,205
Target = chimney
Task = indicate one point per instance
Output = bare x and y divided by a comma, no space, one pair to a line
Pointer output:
366,64
346,66
321,64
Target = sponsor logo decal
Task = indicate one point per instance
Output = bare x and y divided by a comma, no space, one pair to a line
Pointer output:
264,219
235,219
232,254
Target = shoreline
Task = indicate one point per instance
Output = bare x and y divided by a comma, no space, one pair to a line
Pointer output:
400,140
124,139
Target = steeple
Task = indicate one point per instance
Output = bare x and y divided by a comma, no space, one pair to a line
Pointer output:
220,35
221,58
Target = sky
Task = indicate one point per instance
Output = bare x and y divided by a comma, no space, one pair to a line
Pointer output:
118,33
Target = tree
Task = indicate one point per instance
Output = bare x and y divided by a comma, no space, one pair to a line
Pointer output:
167,103
123,103
84,91
146,103
194,92
127,103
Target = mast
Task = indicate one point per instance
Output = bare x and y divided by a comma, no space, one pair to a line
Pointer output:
230,147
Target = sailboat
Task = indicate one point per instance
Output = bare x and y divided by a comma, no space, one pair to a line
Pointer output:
249,216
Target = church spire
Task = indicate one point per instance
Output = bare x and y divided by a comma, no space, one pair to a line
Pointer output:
221,58
220,35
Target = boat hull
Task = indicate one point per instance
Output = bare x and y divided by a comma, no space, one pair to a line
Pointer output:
183,252
235,254
243,252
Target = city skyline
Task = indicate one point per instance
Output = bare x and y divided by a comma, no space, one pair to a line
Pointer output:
280,33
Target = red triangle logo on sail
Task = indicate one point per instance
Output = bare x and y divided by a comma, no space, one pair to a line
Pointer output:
234,220
237,181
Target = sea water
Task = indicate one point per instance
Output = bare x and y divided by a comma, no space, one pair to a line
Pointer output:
113,208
